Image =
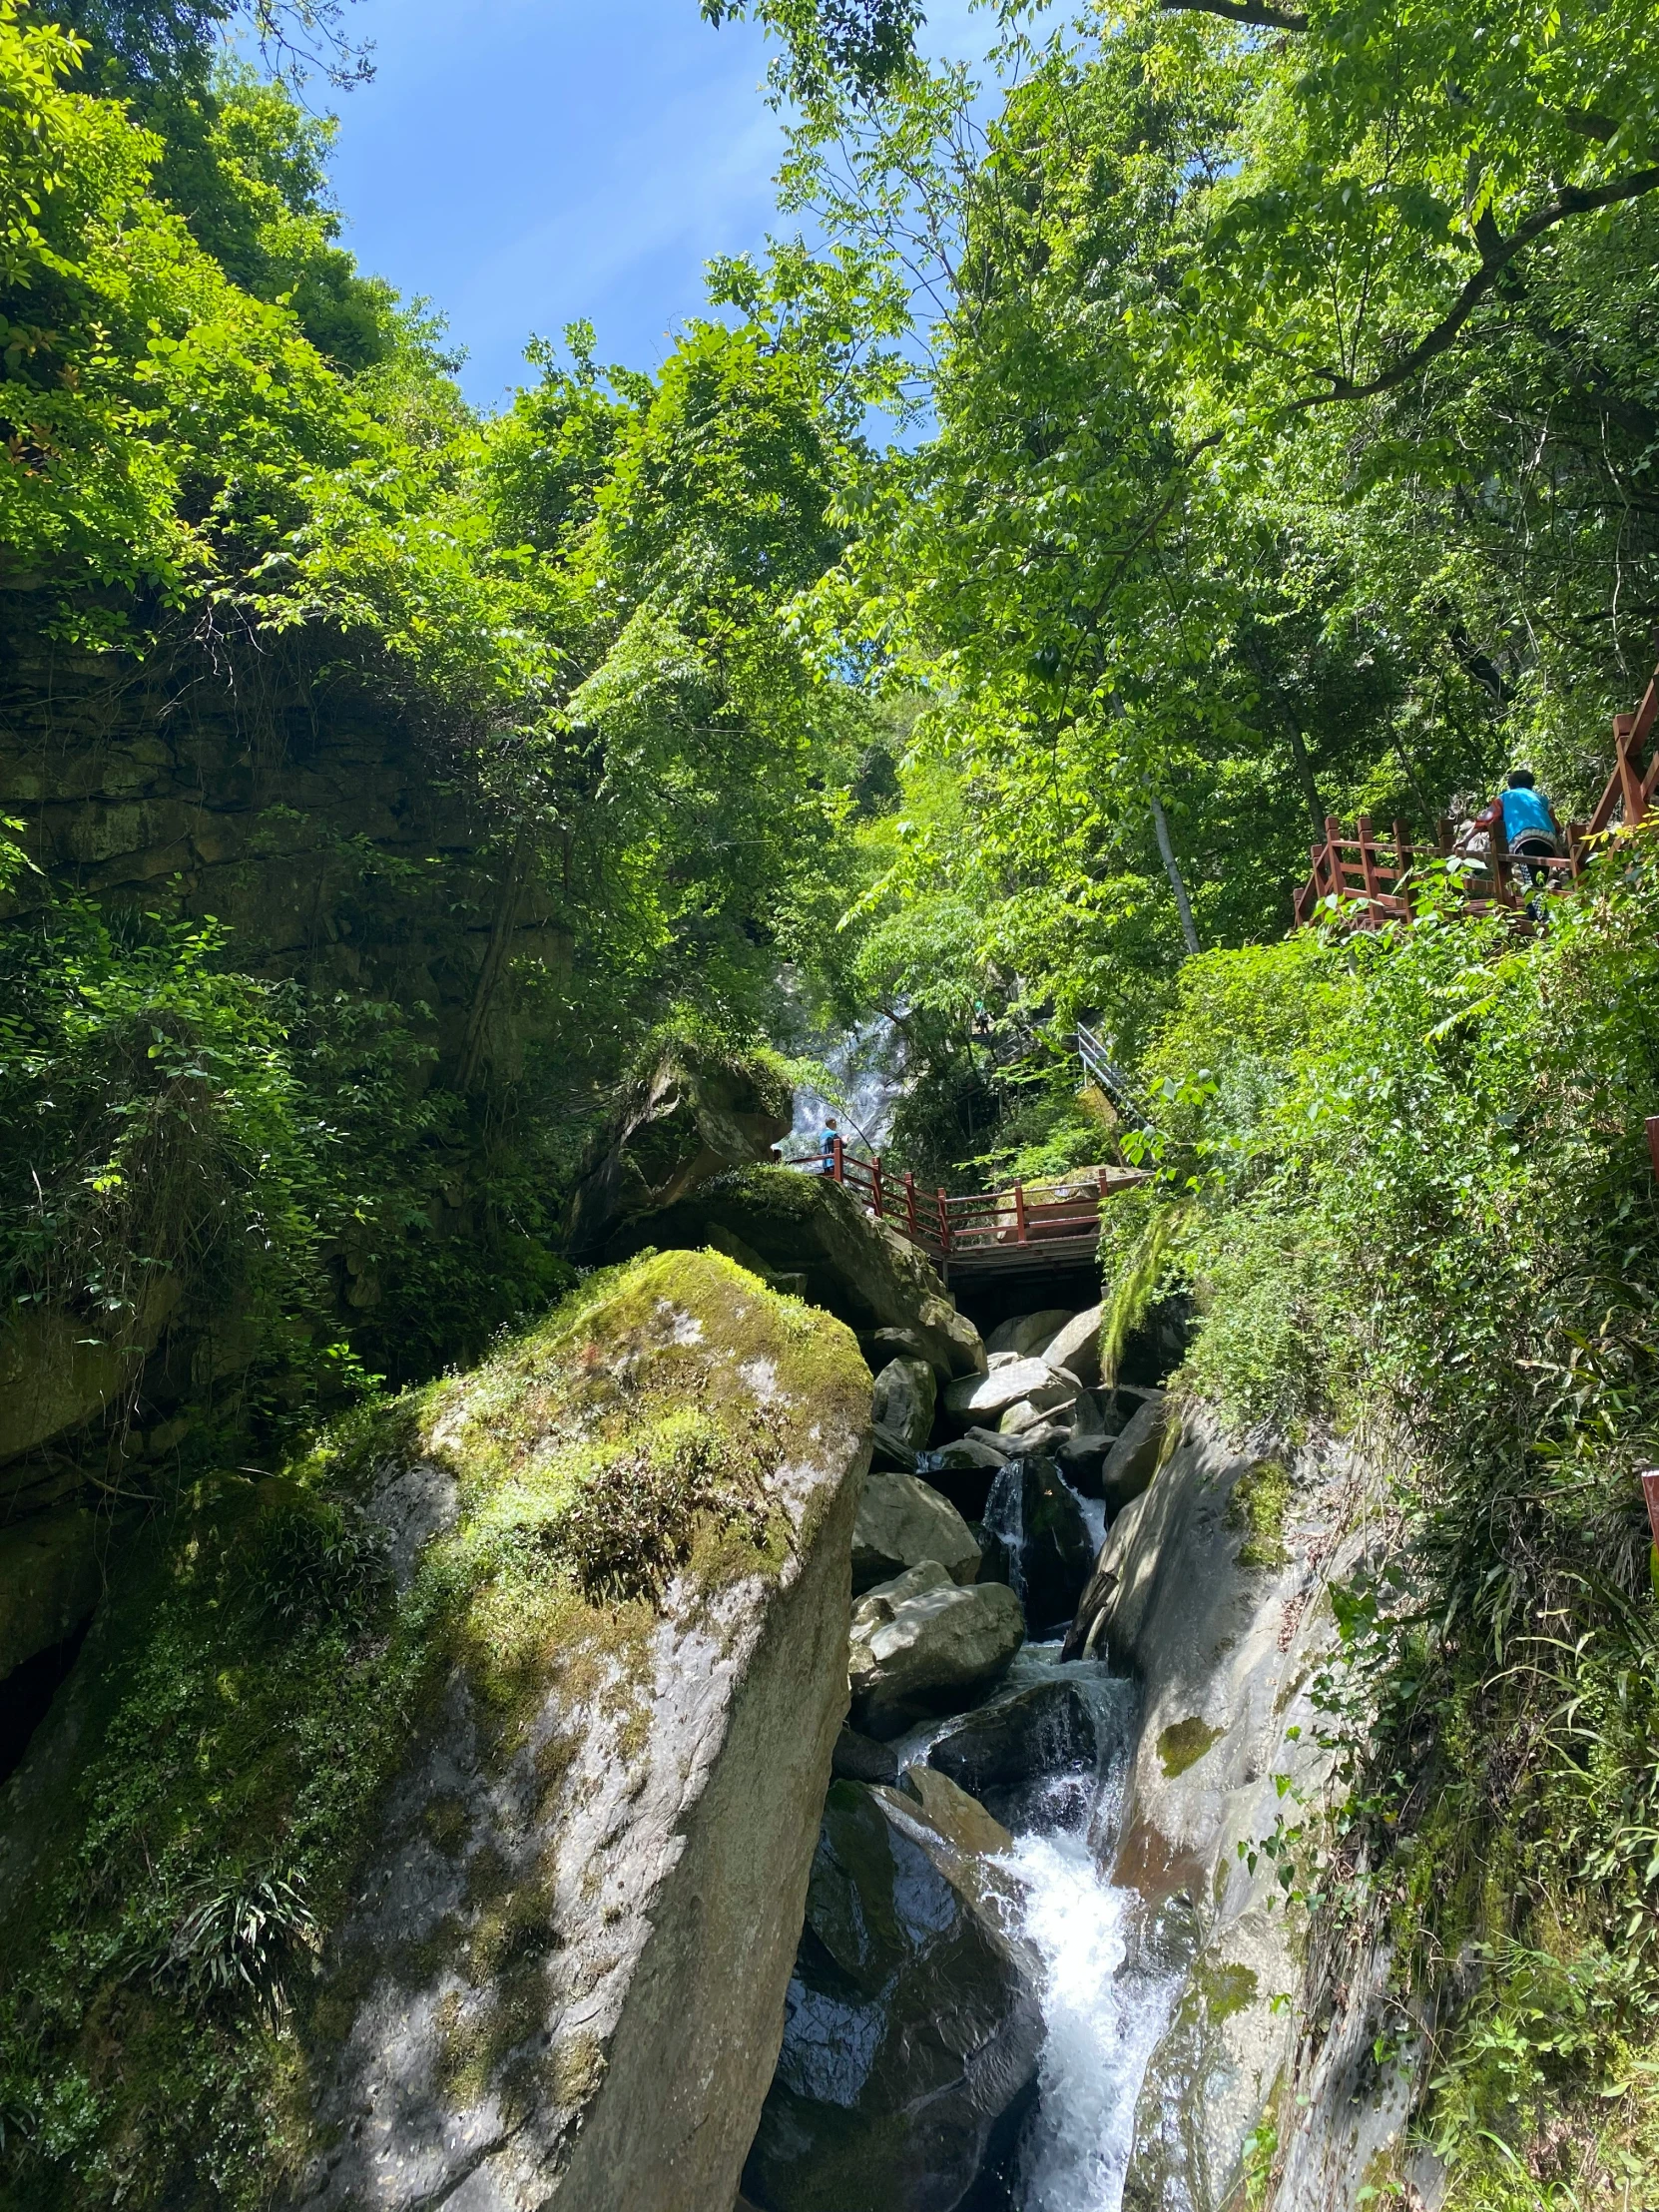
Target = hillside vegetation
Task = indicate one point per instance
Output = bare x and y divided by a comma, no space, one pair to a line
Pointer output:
1201,420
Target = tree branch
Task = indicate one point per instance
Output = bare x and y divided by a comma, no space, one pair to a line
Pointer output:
1265,18
1497,253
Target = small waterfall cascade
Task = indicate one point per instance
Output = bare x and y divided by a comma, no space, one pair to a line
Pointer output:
867,1064
1005,1519
1104,2003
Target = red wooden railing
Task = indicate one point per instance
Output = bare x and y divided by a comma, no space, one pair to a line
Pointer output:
990,1230
1367,873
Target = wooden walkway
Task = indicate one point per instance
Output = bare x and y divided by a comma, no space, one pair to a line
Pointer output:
1366,875
1054,1224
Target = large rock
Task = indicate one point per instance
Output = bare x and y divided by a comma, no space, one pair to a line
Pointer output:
1133,1459
999,1751
901,1522
904,1400
1217,1578
975,1400
1076,1345
913,2028
856,1267
561,1761
51,1577
923,1644
694,1115
1027,1332
1042,1523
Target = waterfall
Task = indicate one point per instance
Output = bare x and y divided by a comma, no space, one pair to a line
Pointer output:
1103,2012
1005,1519
868,1066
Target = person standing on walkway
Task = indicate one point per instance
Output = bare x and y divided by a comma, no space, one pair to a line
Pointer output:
832,1137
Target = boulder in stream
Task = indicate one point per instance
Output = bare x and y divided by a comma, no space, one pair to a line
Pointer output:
911,2027
1027,1332
999,1752
901,1522
551,1656
903,1400
1076,1345
921,1644
972,1400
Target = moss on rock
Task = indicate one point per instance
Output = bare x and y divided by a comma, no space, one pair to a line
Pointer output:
243,1713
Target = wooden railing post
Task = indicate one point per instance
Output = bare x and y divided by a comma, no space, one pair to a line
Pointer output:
875,1182
1403,855
1653,1140
945,1225
839,1164
1019,1213
1368,861
911,1205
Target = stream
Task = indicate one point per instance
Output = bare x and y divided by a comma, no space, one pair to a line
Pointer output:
1102,2015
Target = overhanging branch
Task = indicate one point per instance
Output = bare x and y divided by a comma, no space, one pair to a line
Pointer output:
1497,253
1255,12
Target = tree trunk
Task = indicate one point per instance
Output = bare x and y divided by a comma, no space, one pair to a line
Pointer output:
1172,868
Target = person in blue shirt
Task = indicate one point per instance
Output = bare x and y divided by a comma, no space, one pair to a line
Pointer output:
831,1136
1530,828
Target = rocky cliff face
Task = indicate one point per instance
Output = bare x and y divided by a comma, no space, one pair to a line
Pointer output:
1213,1587
511,1724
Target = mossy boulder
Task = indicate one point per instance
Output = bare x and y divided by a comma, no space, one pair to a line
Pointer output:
694,1113
436,1818
912,2026
856,1267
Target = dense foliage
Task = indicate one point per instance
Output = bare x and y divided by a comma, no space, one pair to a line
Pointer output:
1279,397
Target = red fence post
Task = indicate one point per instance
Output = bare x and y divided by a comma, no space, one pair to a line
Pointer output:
838,1170
911,1205
1653,1141
875,1182
945,1225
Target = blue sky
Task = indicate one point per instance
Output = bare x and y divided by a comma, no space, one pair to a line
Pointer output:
524,163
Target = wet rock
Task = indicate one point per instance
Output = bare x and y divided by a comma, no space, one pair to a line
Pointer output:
921,1644
1133,1459
911,2027
904,1400
999,1752
1045,1526
856,1267
1027,1332
966,1482
902,1521
1080,1462
1003,1448
994,1561
1076,1345
974,1400
861,1759
954,1811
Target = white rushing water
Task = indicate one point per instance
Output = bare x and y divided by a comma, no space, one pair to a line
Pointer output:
1102,2012
868,1066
